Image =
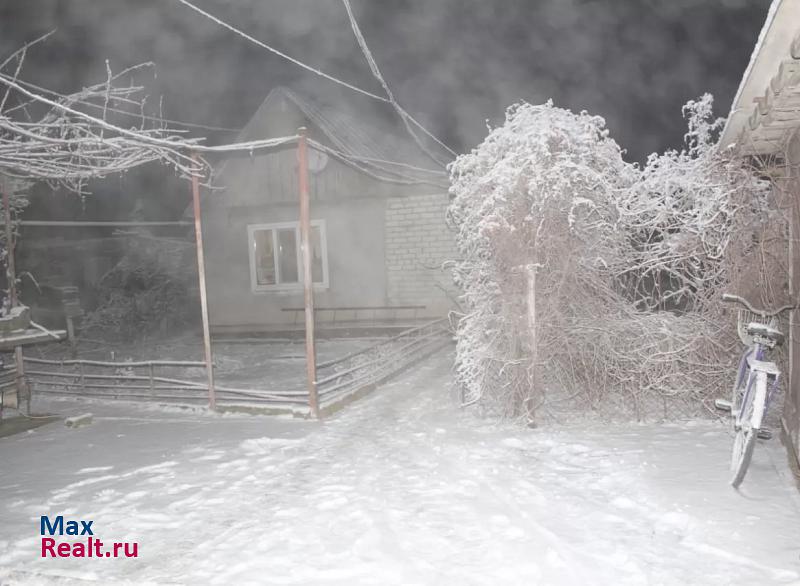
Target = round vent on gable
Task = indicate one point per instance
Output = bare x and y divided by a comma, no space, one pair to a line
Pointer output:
317,160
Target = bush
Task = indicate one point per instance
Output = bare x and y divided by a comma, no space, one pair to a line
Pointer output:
150,290
548,215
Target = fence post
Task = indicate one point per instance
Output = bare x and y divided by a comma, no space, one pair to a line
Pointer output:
201,275
11,277
308,285
82,378
152,382
11,273
530,273
23,390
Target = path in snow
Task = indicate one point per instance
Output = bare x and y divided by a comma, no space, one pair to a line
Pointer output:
401,488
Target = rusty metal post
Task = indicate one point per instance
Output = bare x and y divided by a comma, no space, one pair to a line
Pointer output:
308,285
201,275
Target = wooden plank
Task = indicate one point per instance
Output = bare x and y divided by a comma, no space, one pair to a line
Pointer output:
28,337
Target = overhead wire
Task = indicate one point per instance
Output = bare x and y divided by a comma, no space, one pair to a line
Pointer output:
373,66
263,45
405,116
398,178
387,169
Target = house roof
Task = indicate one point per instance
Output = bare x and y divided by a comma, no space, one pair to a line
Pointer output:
766,109
356,126
359,126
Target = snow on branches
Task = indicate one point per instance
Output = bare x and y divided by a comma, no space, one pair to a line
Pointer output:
70,139
569,256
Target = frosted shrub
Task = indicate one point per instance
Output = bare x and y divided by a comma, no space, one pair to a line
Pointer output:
566,251
682,214
539,191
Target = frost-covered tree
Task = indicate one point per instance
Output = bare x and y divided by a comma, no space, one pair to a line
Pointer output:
682,213
566,250
538,192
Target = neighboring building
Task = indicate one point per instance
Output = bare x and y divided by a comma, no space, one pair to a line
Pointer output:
378,230
765,122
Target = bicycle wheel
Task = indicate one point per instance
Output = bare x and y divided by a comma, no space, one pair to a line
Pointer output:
747,423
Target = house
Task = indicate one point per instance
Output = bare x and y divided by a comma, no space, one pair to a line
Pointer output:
764,122
377,205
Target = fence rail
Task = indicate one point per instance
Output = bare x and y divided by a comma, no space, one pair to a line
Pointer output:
173,380
340,379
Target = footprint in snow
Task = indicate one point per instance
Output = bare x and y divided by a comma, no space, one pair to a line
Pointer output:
512,442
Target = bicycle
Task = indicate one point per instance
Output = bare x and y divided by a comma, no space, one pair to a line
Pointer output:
756,381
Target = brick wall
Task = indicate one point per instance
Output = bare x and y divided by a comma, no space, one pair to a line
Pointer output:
417,243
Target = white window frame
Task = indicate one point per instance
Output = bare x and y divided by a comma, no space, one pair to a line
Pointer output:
288,287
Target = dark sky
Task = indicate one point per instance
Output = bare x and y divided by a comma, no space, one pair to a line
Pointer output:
453,63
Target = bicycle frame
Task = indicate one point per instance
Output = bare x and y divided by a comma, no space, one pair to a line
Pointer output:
757,350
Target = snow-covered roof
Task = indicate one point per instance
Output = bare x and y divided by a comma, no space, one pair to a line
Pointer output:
355,125
373,132
766,109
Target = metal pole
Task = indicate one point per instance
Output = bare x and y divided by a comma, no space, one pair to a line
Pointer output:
308,285
201,275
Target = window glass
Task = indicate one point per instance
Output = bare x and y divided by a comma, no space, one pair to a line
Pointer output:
277,260
265,257
287,255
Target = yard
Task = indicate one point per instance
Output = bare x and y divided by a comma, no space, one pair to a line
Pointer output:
400,488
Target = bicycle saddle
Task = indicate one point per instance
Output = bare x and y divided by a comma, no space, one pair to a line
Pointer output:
757,329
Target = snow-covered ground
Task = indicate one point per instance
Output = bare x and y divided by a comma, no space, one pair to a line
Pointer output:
400,488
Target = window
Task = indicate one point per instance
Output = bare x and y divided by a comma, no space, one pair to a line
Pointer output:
275,256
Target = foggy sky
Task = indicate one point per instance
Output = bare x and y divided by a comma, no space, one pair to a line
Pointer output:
453,63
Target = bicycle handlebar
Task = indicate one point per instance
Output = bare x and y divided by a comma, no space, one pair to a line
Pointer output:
727,297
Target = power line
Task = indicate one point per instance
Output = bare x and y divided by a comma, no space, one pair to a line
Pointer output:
405,116
279,53
399,178
362,43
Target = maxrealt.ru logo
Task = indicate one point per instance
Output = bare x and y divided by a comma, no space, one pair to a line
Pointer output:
87,547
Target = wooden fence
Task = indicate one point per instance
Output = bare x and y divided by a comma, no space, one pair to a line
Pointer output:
156,380
347,377
338,381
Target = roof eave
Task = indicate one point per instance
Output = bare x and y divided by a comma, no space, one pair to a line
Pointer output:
756,123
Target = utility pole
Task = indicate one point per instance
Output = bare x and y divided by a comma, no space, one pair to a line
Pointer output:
201,275
308,285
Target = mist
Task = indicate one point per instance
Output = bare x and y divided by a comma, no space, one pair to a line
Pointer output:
453,63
